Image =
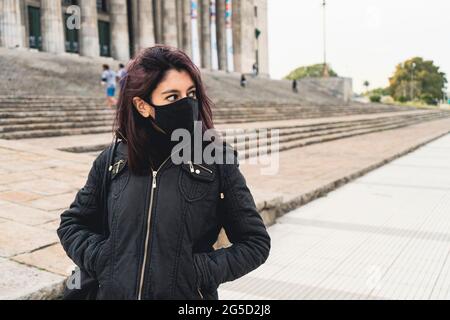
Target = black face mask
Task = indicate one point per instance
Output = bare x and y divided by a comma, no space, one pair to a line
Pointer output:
179,114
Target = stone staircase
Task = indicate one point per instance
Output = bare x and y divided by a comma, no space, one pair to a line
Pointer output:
248,142
49,116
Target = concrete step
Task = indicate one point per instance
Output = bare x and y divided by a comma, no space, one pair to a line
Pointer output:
332,124
50,114
51,120
284,117
54,126
54,133
324,125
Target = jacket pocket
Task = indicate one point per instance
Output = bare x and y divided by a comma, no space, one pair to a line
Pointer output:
195,180
101,260
197,283
204,281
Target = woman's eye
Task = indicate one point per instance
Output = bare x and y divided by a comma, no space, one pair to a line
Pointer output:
172,97
192,94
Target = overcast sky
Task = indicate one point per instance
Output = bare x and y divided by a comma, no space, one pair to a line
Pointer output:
366,39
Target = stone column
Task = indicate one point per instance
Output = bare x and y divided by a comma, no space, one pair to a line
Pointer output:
179,17
52,26
263,41
120,43
169,27
11,35
205,39
144,34
243,35
186,37
89,42
157,8
221,37
236,25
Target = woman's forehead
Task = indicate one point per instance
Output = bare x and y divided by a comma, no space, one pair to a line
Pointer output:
174,79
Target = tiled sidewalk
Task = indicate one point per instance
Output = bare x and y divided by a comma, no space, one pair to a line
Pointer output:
38,183
384,236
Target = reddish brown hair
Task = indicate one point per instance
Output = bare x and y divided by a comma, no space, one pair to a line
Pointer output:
143,73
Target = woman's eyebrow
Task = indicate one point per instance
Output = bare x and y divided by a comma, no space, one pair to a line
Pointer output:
176,91
170,91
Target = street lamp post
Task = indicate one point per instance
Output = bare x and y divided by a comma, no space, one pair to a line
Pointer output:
325,67
413,66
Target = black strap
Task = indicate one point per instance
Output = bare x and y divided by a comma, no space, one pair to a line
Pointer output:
105,184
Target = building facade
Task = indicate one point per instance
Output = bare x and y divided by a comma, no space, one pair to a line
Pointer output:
218,34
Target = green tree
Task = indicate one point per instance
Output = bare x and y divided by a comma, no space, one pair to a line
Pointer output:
315,70
417,79
375,98
378,91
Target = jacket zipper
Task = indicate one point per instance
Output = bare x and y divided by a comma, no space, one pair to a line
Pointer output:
147,231
191,167
200,293
209,170
147,235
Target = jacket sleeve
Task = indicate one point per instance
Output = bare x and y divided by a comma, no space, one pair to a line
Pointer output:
245,230
79,229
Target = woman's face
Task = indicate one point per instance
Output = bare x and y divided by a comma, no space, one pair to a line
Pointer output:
174,86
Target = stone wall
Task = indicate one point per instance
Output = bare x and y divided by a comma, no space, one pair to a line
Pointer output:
339,87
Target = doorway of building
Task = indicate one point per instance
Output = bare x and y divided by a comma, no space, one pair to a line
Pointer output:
34,28
104,38
71,36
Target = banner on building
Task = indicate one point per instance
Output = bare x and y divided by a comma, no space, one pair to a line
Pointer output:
194,33
229,35
214,53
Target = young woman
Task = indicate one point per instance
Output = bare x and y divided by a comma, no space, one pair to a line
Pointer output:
163,218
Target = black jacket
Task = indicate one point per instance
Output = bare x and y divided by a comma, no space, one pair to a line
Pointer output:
162,228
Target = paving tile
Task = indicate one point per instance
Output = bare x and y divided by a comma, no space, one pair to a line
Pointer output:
44,186
25,214
18,196
53,203
52,258
17,238
18,280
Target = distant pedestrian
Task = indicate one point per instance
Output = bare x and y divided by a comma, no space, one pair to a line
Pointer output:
294,85
255,69
121,72
109,80
120,75
243,81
